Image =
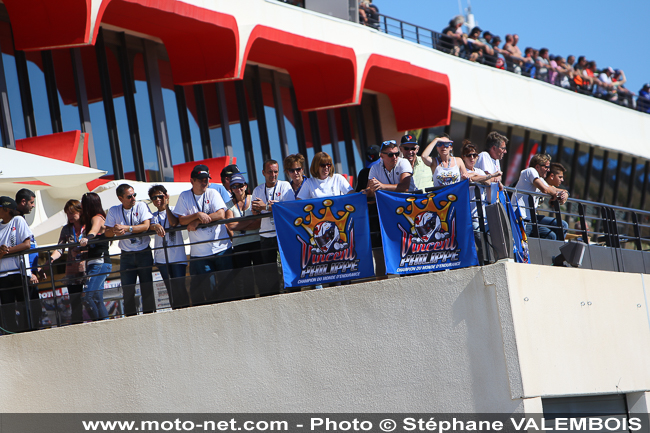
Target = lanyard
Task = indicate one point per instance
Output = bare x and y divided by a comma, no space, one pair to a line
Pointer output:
159,218
242,213
197,203
295,193
124,215
74,233
390,181
266,191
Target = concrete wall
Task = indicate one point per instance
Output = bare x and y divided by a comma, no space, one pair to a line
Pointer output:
464,340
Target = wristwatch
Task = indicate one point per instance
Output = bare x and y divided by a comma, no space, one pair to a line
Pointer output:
130,229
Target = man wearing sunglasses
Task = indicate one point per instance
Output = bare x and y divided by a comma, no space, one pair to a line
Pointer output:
490,160
421,171
392,173
130,219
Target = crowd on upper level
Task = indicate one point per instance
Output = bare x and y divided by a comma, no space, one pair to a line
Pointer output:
579,75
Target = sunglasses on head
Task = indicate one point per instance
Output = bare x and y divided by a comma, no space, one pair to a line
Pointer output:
388,143
157,197
445,143
295,170
391,154
326,164
129,197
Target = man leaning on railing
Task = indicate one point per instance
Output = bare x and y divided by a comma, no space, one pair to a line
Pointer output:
532,180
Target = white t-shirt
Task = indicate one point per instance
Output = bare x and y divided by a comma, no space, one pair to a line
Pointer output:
392,177
175,255
250,235
282,191
209,202
328,187
525,183
486,163
11,234
138,214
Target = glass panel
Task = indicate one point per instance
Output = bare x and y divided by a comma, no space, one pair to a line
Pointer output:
11,77
214,122
457,130
478,134
96,108
610,178
638,184
145,121
171,112
236,137
271,121
367,103
596,175
289,126
192,114
551,146
581,172
515,147
39,92
624,182
255,133
534,146
566,159
65,85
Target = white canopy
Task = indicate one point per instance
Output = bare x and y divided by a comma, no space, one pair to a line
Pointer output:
16,166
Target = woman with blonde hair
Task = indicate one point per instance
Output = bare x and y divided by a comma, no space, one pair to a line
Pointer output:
324,182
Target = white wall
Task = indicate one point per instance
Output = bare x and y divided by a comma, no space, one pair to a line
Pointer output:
456,341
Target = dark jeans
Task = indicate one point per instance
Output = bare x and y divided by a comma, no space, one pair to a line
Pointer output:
11,292
174,277
245,277
76,306
129,272
203,285
271,285
546,232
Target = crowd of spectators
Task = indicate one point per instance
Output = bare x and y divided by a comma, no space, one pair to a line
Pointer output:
581,76
368,14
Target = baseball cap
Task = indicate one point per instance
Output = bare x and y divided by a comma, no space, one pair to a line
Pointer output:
372,153
610,70
8,203
229,170
408,138
201,172
237,178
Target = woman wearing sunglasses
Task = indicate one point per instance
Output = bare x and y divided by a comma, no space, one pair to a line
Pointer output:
294,170
446,168
323,183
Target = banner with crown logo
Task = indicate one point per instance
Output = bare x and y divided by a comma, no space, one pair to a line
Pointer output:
324,240
427,232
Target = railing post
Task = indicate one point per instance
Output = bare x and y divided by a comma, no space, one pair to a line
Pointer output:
533,217
637,232
25,280
583,223
558,220
417,34
401,28
56,309
385,24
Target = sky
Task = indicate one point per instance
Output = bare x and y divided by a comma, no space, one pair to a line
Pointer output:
595,29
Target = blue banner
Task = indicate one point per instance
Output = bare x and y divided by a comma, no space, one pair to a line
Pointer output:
519,238
324,240
427,232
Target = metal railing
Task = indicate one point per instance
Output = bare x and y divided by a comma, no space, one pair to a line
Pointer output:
622,230
440,42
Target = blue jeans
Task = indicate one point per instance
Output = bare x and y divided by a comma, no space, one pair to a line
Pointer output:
203,286
94,293
546,232
174,277
134,265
